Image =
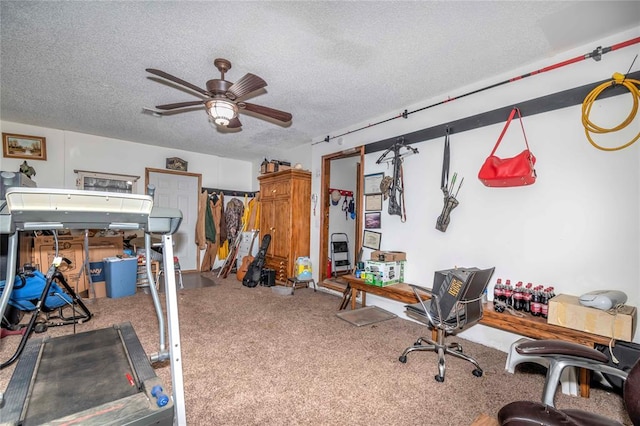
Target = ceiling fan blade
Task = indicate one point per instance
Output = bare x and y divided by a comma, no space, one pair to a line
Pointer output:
179,105
234,123
177,80
246,85
269,112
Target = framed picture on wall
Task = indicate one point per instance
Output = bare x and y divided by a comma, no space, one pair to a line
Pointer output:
373,202
23,146
372,220
372,183
371,239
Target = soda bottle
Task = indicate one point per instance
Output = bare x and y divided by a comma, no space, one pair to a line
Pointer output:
508,294
528,293
497,294
544,308
552,293
536,308
517,297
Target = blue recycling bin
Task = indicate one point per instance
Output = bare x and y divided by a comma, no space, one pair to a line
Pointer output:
120,276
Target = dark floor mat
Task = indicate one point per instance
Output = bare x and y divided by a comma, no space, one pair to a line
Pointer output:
365,316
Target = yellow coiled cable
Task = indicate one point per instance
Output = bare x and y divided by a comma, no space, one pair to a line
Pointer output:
589,127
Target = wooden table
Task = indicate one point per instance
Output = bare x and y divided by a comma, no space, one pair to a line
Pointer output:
528,325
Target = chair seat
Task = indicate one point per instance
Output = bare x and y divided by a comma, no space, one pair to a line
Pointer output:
522,413
416,312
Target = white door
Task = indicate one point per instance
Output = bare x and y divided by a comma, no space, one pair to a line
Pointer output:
180,190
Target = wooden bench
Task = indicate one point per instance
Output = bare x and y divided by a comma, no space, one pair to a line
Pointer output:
528,325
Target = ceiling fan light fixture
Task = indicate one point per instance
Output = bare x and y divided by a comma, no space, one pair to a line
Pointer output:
222,111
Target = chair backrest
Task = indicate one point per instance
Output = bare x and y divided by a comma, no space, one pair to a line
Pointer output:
479,283
453,289
632,394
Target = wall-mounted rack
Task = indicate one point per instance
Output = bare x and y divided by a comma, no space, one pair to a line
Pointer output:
230,192
342,192
551,102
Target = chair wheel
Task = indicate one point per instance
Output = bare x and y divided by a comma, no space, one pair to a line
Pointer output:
477,372
40,327
439,378
402,359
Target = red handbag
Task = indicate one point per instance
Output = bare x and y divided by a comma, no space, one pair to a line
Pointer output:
514,171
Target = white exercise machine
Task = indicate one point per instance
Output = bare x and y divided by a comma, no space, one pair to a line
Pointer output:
95,362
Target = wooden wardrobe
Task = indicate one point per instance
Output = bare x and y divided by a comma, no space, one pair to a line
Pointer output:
285,210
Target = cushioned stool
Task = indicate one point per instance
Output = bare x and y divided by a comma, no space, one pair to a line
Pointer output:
295,282
568,379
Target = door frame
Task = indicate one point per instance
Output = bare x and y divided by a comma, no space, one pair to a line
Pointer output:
325,184
148,170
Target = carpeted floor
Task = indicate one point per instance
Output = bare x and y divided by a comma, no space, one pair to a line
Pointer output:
253,357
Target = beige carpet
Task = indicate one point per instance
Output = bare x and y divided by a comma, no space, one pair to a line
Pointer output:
253,357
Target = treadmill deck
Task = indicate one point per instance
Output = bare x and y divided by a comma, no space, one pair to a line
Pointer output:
85,377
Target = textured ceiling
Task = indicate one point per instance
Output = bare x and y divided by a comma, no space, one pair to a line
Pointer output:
80,66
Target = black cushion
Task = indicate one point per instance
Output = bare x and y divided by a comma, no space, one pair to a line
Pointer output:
522,413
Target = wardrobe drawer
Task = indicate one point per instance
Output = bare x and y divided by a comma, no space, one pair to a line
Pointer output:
279,188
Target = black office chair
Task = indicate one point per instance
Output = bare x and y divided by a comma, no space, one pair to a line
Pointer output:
563,354
452,305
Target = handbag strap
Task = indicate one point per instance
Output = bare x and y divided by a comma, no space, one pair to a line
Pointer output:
506,126
445,163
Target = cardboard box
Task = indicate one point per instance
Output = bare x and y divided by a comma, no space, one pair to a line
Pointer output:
565,310
388,256
72,248
100,288
383,273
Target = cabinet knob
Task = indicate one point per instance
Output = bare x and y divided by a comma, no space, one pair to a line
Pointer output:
274,191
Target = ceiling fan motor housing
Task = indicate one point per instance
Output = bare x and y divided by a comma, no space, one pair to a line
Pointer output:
219,87
221,96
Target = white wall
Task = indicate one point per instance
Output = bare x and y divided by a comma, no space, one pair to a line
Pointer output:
576,228
68,151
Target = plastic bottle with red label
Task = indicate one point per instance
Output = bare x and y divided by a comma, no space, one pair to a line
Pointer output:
544,312
528,294
498,292
508,294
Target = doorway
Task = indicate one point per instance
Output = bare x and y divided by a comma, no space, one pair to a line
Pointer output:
179,190
346,169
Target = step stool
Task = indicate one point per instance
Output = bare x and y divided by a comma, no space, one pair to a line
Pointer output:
295,282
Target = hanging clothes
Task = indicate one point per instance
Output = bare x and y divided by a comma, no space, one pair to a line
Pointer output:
201,239
223,223
212,232
251,217
233,214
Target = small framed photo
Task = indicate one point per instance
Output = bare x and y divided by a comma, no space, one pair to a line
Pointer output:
371,239
372,220
23,146
372,183
373,202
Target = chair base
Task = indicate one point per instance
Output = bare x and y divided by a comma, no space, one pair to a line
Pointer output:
453,349
568,379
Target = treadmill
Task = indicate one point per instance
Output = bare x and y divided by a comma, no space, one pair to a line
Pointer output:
99,377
